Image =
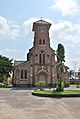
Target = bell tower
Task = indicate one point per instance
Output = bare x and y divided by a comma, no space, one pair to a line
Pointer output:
41,33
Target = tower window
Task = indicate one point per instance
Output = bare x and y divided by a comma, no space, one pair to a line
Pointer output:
40,42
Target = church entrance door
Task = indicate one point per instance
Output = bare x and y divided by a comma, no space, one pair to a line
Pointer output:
42,77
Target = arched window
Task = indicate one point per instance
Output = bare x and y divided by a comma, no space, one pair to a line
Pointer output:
40,42
21,74
43,41
25,74
40,58
43,58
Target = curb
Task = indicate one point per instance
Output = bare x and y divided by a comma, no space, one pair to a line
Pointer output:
56,95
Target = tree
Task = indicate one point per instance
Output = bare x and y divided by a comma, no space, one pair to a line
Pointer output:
6,67
79,74
60,53
71,74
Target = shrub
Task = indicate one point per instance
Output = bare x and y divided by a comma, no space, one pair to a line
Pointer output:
0,84
60,85
41,85
35,89
77,86
5,85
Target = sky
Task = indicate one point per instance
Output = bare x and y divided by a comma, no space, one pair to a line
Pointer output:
16,20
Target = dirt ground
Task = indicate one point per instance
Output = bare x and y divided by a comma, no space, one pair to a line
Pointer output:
16,103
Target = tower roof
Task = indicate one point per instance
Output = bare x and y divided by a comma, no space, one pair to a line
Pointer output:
41,22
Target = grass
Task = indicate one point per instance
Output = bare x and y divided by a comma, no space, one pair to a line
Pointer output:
58,92
76,85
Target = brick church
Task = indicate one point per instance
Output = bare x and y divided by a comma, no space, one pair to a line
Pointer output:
40,64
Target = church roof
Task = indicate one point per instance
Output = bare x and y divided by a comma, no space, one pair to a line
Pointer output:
18,62
42,71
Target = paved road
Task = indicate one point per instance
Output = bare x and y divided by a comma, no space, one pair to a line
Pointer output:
20,104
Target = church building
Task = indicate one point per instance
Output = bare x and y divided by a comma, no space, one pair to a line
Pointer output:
40,64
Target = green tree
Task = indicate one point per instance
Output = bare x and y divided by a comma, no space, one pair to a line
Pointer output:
60,85
6,67
60,53
79,74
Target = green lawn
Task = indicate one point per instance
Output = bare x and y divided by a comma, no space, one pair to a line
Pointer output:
58,92
76,85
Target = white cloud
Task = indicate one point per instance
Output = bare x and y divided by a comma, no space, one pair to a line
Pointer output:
73,63
66,31
66,7
27,26
8,31
68,34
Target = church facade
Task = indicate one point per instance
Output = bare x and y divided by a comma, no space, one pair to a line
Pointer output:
40,64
